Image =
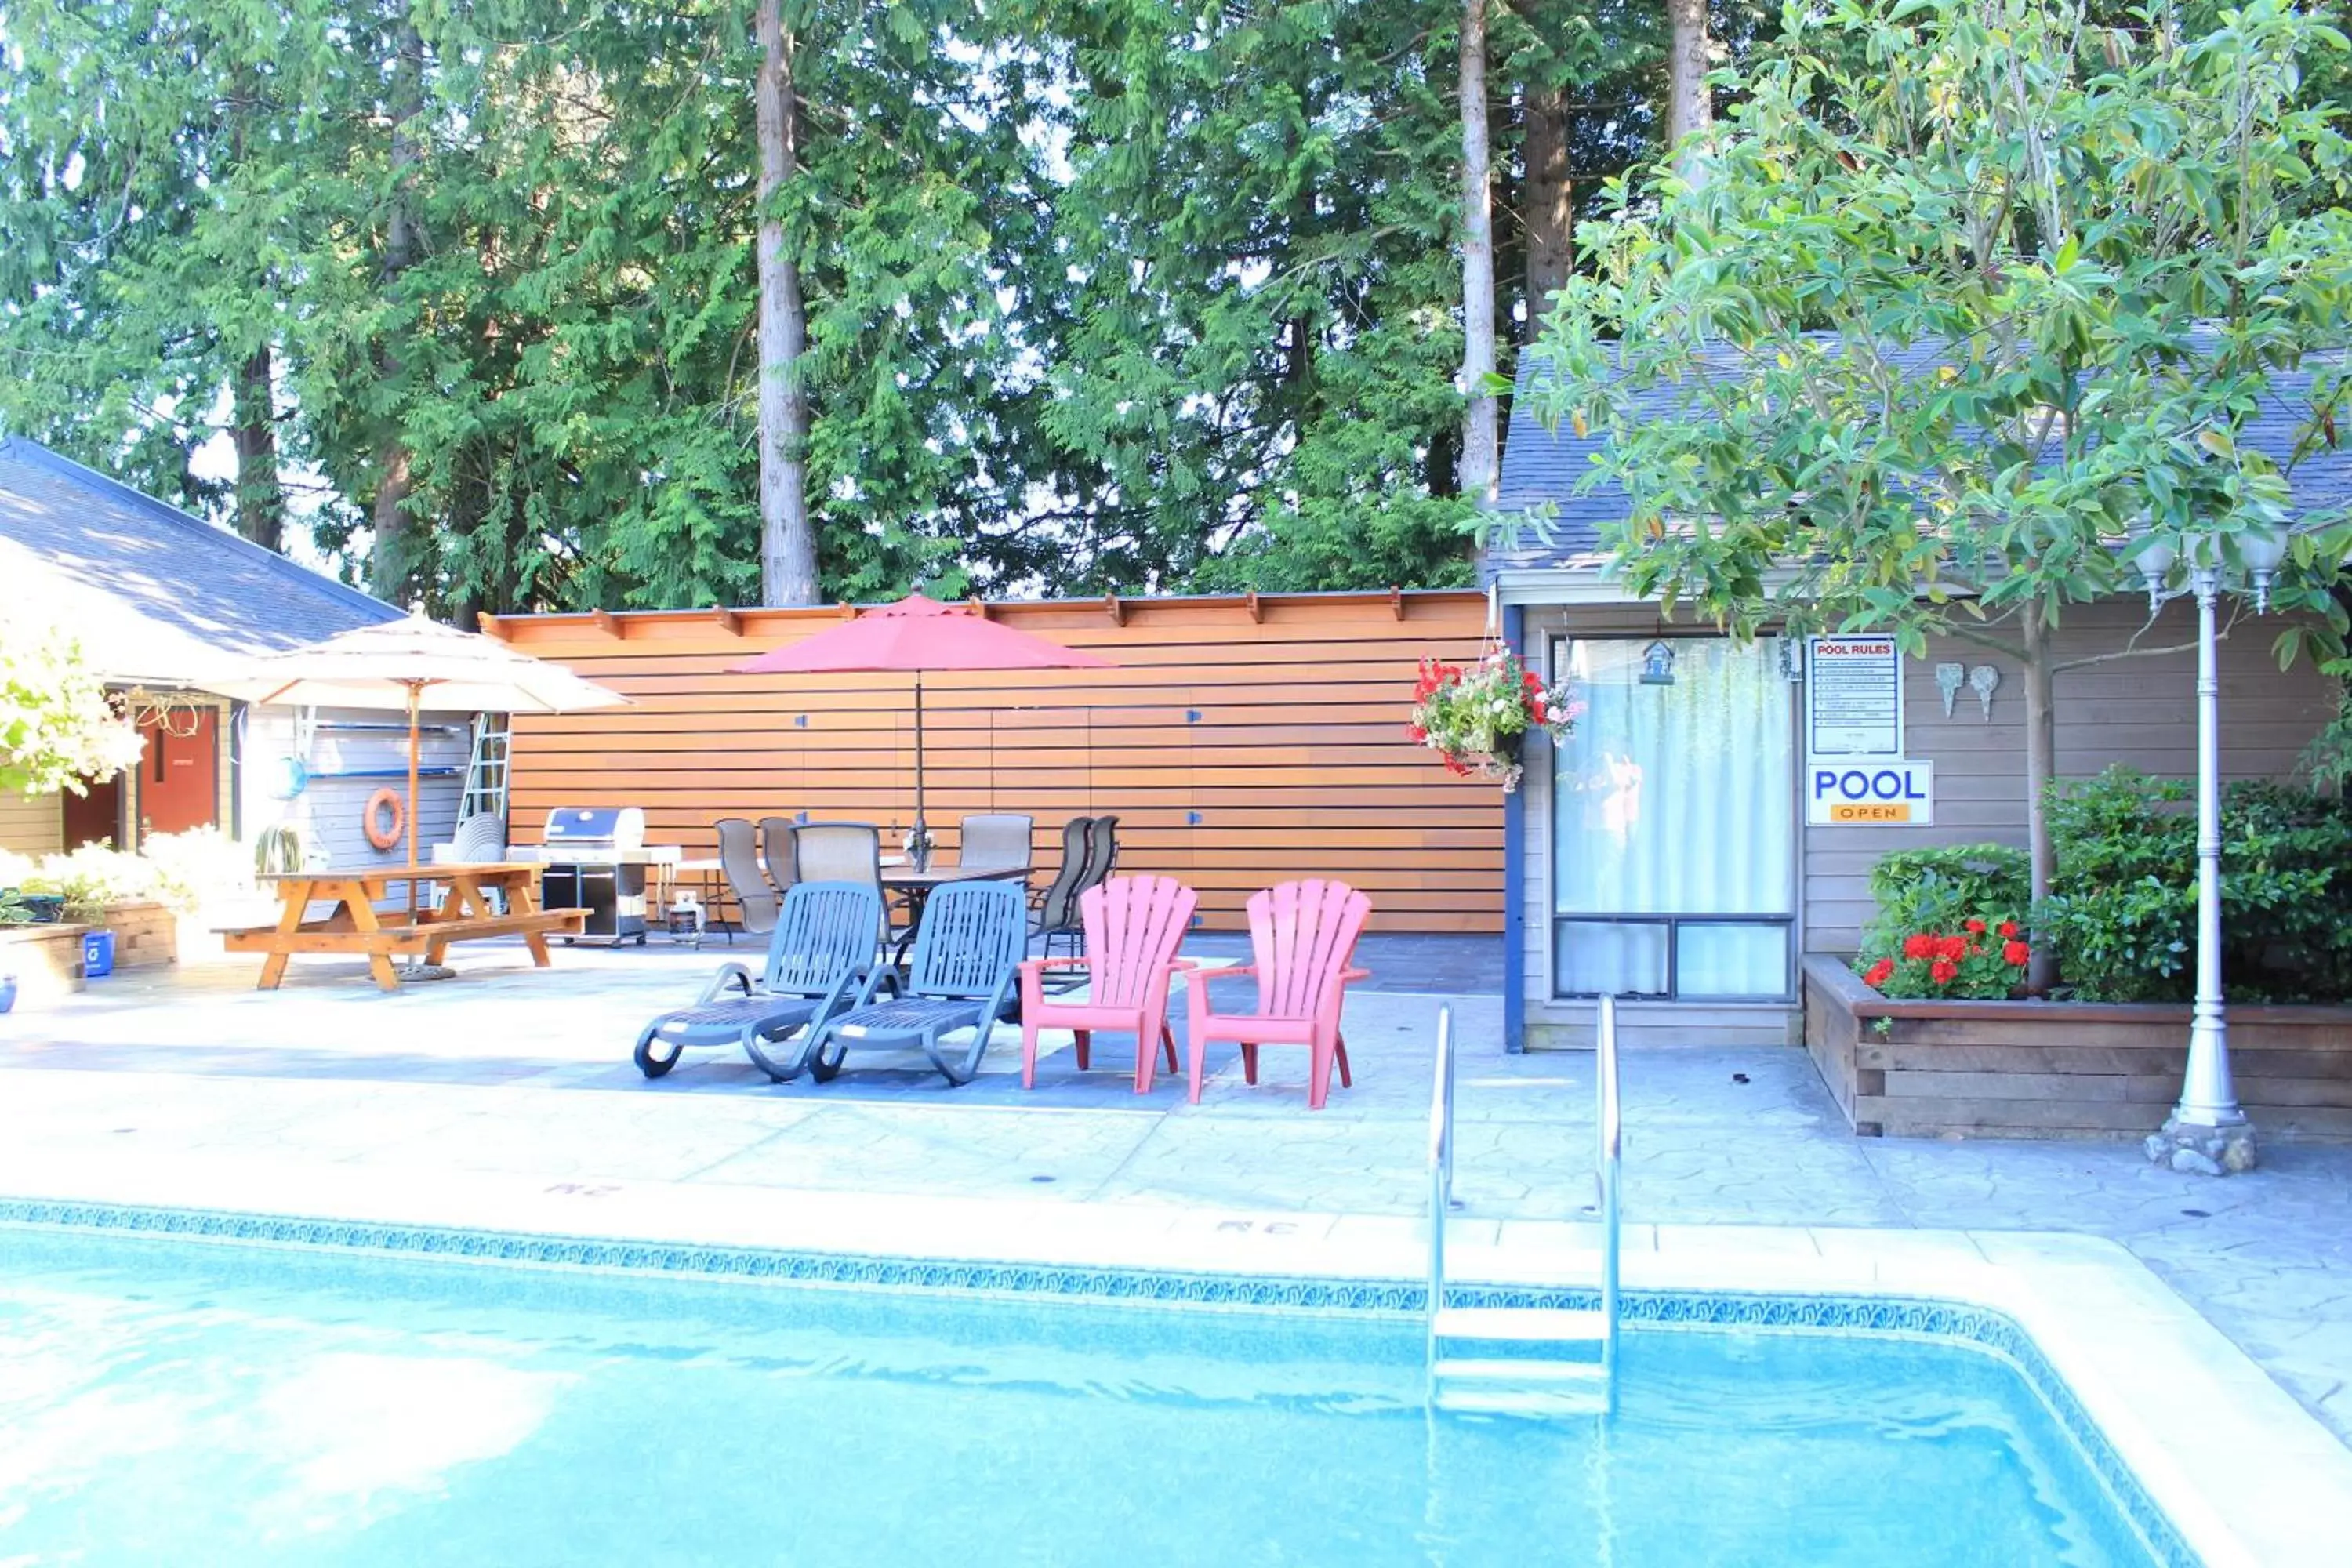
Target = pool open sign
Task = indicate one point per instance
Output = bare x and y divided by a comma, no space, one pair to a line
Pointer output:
1887,794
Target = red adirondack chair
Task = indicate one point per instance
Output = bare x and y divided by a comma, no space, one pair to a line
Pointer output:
1133,925
1302,934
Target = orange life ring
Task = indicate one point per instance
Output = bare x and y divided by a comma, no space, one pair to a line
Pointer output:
383,834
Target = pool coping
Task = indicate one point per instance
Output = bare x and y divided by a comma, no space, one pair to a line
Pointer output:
2243,1474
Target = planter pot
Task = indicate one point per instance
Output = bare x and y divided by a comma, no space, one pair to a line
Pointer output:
45,960
7,992
2062,1070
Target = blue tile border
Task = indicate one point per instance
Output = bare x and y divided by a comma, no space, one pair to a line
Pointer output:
1977,1327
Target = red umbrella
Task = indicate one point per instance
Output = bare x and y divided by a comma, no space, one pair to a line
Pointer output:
919,634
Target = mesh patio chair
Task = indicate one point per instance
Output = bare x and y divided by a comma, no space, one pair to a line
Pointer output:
778,857
843,852
820,961
756,900
1055,916
997,841
1102,854
478,841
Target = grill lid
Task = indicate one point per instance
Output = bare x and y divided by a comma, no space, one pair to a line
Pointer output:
596,828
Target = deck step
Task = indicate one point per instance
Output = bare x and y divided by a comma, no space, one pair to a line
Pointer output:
1522,1325
1504,1369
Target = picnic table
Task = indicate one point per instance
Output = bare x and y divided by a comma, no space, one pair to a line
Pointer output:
355,925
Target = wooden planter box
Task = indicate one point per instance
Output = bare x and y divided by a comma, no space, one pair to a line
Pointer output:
145,934
46,960
2062,1070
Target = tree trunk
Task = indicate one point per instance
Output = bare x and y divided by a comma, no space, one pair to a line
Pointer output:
1689,107
260,499
787,541
1549,206
2041,768
1481,436
390,568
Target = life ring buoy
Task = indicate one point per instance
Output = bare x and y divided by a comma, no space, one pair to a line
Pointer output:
383,835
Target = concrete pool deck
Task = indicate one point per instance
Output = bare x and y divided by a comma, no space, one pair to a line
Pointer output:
187,1086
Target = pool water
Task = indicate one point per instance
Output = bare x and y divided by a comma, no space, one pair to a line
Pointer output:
168,1403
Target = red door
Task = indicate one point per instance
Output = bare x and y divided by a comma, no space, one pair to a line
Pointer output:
179,773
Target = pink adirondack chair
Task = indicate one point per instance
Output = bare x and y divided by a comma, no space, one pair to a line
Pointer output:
1302,935
1133,925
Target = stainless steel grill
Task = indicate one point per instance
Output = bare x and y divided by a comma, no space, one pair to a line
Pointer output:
596,858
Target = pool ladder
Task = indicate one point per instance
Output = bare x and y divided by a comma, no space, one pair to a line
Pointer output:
1494,1359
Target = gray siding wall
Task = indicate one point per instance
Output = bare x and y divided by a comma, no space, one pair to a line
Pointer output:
329,811
2139,710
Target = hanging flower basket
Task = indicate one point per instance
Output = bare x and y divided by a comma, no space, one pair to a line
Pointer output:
1474,715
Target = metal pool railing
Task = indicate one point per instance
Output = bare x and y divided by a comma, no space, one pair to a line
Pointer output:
1521,1383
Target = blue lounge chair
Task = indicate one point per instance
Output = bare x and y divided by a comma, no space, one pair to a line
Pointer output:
821,958
966,968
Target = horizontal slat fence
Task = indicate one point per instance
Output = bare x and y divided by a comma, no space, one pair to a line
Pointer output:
1240,743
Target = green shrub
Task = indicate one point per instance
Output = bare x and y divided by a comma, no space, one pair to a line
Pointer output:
1947,922
2121,914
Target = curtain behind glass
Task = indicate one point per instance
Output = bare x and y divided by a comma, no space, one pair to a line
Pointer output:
1675,799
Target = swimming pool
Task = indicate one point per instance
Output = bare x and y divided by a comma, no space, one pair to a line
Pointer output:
166,1400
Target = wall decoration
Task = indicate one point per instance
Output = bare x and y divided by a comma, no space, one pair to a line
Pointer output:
1948,681
1981,681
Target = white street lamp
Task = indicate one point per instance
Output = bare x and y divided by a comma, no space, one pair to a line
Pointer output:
2207,1131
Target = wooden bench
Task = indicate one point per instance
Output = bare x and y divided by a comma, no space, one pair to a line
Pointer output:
356,926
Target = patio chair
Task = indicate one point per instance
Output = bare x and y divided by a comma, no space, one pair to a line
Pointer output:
967,959
778,858
739,861
1102,854
844,852
1133,925
997,841
1302,935
1056,908
820,961
477,840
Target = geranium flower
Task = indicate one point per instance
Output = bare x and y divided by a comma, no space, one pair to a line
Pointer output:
2017,954
1919,945
2009,927
1880,973
1973,927
1943,972
1952,949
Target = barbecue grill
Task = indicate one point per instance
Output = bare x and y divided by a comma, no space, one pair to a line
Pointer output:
596,858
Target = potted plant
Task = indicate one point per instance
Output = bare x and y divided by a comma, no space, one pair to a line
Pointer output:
1474,715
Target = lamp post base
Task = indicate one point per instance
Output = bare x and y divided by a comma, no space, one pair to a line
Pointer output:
2202,1148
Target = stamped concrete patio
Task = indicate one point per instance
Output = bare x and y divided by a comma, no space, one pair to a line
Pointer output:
510,1073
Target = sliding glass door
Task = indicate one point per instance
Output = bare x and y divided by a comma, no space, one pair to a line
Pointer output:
1674,822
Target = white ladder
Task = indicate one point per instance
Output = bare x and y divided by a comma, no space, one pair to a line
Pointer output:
1491,1359
486,769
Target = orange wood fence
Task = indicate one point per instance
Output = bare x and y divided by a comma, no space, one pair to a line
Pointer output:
1240,740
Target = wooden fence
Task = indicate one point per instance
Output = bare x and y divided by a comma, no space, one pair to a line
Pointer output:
1240,740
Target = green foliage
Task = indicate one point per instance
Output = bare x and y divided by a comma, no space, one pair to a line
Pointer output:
2122,915
1103,294
1964,294
57,729
90,878
1938,889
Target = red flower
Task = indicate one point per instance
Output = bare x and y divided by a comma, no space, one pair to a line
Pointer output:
1879,972
1419,735
2009,927
1952,949
1973,927
2016,954
1943,972
1921,945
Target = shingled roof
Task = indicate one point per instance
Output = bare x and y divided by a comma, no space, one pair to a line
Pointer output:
1543,466
155,595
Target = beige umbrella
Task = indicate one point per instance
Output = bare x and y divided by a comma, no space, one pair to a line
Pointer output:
396,664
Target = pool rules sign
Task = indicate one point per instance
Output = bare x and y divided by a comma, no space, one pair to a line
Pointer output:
1855,773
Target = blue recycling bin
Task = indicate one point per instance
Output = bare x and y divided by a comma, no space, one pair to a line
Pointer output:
97,954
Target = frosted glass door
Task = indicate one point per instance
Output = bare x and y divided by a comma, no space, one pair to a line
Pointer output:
1673,821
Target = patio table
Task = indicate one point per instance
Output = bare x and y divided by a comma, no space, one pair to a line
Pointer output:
354,925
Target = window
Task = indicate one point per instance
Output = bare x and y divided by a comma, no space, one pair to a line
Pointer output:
1674,822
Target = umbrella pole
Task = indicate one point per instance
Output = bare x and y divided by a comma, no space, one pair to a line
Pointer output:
412,802
922,855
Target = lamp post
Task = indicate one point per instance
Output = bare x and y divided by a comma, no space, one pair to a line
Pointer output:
2207,1133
